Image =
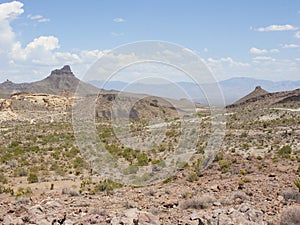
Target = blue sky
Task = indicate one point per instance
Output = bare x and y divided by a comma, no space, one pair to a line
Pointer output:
253,38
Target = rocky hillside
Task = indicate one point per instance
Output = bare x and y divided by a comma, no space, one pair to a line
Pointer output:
60,81
261,98
145,107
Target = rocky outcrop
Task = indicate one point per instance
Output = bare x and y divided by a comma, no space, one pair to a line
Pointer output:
65,71
30,101
6,111
135,216
242,214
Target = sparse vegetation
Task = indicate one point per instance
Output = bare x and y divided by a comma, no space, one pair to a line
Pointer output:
32,178
197,202
297,183
192,177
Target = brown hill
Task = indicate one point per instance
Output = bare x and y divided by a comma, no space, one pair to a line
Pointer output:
59,82
261,98
253,95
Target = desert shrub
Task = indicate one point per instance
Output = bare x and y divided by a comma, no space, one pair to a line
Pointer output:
32,178
3,179
290,216
192,177
241,195
201,202
246,146
160,163
7,190
244,134
219,156
259,157
291,195
297,183
58,169
182,165
132,169
168,180
107,185
79,162
285,151
71,153
70,192
14,144
224,165
142,159
23,192
243,172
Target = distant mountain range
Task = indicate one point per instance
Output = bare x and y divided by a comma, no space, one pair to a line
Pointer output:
233,89
63,82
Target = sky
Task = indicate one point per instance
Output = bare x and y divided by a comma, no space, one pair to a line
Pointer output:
250,38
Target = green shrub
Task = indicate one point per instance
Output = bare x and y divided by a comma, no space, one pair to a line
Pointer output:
192,177
168,180
107,185
259,157
285,151
297,183
224,165
7,190
23,192
32,178
142,159
219,156
3,179
132,169
79,163
243,172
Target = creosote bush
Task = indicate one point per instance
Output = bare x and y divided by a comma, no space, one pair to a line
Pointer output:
285,151
32,178
197,202
192,177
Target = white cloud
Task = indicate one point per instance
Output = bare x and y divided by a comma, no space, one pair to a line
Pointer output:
274,50
119,20
290,46
228,60
38,18
257,51
297,34
35,51
8,12
285,27
259,58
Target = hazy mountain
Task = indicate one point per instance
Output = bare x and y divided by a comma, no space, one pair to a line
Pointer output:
233,89
59,81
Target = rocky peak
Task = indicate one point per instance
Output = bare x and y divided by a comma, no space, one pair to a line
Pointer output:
258,91
66,70
257,88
